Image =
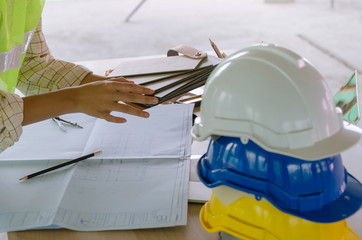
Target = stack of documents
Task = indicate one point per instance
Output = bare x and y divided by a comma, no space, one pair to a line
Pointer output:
139,181
170,77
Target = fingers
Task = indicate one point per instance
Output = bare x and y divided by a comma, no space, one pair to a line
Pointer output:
134,98
128,92
125,108
110,118
129,87
101,98
120,79
119,107
114,119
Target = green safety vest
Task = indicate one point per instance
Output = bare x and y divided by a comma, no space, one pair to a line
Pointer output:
18,21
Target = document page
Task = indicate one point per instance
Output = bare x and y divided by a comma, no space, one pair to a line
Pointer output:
33,203
121,194
139,181
160,135
154,65
45,140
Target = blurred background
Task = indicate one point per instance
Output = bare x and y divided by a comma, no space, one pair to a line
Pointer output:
327,32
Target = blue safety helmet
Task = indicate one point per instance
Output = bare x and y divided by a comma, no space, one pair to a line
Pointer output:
320,191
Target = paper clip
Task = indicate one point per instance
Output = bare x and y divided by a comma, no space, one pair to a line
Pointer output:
60,122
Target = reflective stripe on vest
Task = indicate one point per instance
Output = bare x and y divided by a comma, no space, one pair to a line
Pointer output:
18,21
12,59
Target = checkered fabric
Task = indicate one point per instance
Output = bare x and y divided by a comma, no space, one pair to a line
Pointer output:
39,73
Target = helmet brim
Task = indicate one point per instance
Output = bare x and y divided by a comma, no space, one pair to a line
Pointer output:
245,218
345,138
348,203
343,207
230,235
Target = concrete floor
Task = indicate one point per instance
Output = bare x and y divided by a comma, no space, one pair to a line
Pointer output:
79,30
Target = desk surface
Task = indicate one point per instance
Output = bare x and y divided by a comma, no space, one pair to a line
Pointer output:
193,230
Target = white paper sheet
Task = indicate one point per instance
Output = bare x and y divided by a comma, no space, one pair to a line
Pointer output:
30,204
141,183
121,194
45,140
154,65
162,134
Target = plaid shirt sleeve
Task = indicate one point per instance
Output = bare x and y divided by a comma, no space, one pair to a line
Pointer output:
41,73
11,119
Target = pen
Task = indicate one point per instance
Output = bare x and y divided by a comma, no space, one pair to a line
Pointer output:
60,165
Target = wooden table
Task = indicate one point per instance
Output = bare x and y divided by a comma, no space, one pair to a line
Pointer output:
193,230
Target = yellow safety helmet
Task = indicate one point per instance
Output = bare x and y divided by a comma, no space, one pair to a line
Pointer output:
225,236
242,216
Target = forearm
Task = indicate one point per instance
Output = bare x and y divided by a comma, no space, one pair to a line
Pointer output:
97,98
48,105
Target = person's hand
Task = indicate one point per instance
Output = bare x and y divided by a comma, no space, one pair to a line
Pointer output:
94,78
100,98
95,96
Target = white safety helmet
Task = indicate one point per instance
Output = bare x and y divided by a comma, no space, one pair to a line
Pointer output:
279,100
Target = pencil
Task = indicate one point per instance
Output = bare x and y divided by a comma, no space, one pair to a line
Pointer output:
60,165
216,49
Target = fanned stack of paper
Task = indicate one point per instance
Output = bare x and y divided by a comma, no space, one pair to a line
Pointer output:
170,77
139,181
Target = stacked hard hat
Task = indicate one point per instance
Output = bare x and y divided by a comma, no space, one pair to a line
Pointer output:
274,160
